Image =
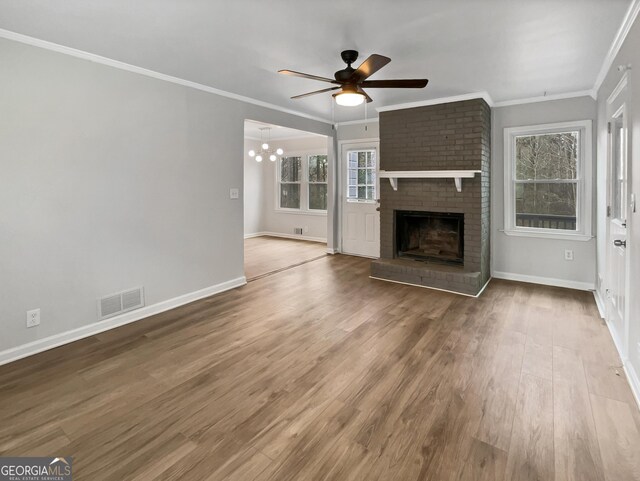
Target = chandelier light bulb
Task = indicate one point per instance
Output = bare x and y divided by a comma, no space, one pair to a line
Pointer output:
265,151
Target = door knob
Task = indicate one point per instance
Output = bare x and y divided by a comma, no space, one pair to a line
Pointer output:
620,243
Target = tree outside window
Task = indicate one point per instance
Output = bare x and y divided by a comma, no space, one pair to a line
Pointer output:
546,176
318,182
290,168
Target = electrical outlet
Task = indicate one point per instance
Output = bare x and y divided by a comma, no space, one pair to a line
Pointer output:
33,318
568,255
234,193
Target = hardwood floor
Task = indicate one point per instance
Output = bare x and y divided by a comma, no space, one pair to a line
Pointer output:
320,373
264,255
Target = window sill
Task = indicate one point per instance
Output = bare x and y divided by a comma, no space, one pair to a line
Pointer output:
302,212
547,235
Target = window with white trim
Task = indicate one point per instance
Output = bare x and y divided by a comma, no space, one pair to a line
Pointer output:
548,180
303,183
361,175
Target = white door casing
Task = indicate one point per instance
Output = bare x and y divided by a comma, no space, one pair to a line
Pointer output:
360,219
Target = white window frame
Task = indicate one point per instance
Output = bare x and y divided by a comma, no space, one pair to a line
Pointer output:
584,206
376,184
304,183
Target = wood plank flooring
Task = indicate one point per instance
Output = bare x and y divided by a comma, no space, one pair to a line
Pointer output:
320,373
264,255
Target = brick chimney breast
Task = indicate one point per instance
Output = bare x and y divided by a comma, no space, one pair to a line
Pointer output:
451,136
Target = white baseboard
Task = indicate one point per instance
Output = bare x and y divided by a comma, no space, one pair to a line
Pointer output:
548,281
634,382
286,236
56,340
632,375
599,303
332,251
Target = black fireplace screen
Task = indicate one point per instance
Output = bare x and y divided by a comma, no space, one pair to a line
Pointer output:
430,236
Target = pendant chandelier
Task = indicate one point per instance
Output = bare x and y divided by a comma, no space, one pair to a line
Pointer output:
266,151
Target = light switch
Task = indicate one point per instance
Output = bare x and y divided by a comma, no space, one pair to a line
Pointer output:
234,193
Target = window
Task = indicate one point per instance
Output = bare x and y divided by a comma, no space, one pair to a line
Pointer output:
361,176
290,170
302,183
547,180
317,182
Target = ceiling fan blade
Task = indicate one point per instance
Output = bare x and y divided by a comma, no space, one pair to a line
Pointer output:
370,66
315,92
306,75
396,84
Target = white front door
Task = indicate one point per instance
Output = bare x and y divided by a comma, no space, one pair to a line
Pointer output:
617,229
359,194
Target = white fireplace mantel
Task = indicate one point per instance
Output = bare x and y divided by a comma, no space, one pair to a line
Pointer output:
456,175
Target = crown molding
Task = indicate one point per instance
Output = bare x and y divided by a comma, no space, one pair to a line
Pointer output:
621,35
36,42
442,100
544,98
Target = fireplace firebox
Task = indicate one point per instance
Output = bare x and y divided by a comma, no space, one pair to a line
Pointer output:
430,236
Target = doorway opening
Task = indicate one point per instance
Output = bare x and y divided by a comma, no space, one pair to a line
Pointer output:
286,198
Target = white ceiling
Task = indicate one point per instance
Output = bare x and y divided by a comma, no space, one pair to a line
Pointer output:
512,49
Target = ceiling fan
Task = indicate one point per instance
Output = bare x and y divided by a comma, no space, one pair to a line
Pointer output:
351,82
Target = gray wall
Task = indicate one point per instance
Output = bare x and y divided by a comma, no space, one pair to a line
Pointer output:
112,180
529,256
629,54
370,130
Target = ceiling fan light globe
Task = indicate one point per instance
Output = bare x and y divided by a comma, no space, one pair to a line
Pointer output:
258,158
279,151
349,99
252,153
265,146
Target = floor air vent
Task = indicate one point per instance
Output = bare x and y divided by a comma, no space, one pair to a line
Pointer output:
121,302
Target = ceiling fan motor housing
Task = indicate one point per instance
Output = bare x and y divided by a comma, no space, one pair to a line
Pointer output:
348,56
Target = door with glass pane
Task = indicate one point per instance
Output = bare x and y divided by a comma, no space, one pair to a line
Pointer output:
617,229
360,217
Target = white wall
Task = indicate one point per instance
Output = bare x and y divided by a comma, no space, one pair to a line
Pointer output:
628,54
277,221
529,258
111,180
253,190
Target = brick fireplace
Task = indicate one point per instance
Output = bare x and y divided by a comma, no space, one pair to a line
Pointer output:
430,234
